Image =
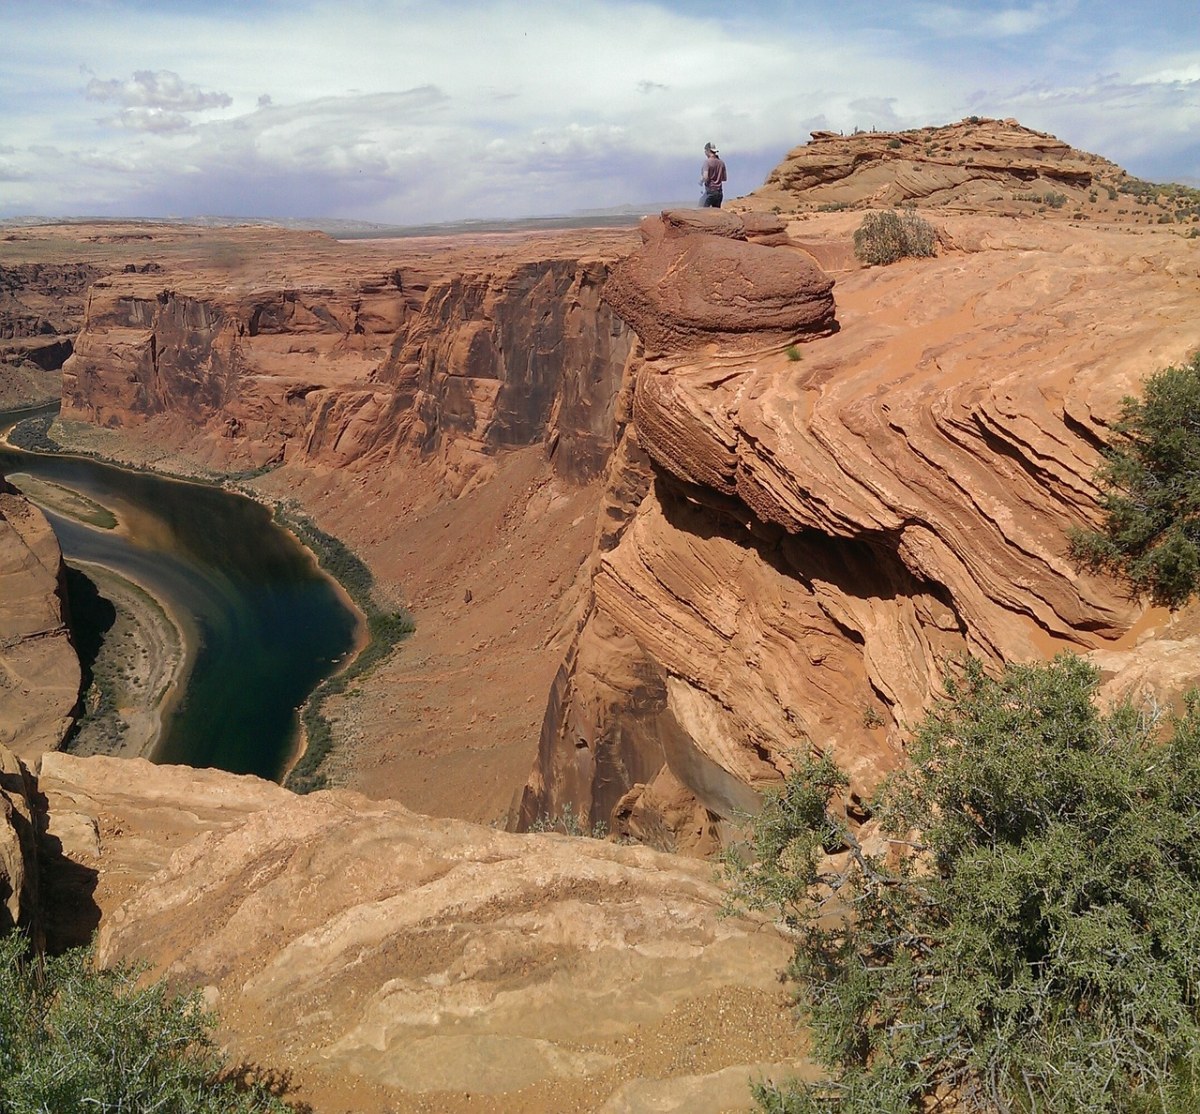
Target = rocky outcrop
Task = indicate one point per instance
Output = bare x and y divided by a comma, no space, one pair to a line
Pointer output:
976,164
19,907
375,361
44,299
699,280
39,670
796,545
394,962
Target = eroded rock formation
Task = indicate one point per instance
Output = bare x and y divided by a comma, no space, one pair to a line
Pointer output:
19,905
39,671
821,483
41,310
796,544
395,962
369,363
977,164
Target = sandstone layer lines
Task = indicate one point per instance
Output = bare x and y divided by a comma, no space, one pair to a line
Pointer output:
906,485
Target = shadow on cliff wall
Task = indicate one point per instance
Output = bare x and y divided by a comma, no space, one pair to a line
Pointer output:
67,887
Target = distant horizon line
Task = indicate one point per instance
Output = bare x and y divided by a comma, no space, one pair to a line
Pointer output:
616,216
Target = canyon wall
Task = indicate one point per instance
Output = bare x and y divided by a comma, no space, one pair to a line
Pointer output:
798,540
41,310
822,483
39,670
363,366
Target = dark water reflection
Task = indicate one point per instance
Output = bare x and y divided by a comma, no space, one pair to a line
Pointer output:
269,625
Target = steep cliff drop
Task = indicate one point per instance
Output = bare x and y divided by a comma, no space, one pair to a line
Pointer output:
39,671
798,538
443,405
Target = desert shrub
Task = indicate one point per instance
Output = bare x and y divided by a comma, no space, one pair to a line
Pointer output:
1055,200
1150,492
569,822
75,1038
1029,941
894,144
888,236
385,629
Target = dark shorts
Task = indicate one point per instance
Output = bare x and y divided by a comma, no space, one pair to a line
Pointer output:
712,199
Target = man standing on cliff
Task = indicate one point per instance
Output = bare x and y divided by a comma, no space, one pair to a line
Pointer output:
712,177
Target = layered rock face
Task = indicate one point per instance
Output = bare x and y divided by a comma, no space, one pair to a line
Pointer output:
39,671
795,545
41,310
394,962
369,363
978,164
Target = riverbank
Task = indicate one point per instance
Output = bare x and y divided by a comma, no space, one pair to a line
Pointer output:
139,672
139,664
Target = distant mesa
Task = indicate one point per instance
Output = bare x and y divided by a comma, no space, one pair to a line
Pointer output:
976,165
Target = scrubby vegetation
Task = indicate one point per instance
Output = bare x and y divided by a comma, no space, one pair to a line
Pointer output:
1029,938
1150,491
888,236
568,822
385,630
1182,202
75,1038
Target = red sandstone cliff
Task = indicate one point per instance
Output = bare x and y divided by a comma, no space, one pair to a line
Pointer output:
39,672
825,481
795,548
360,361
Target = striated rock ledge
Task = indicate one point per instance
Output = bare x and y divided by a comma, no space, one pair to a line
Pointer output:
978,164
395,962
793,550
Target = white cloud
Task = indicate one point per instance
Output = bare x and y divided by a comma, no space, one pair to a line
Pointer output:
396,111
161,89
994,20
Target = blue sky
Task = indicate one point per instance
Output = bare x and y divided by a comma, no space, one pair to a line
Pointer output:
409,111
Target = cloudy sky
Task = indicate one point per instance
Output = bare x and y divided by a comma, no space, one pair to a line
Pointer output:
410,111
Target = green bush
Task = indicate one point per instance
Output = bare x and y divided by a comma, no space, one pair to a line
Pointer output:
74,1038
1030,939
1150,483
888,236
385,629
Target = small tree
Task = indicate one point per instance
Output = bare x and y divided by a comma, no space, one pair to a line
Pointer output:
1031,943
76,1038
888,236
1150,481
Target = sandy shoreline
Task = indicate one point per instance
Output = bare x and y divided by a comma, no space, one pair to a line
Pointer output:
139,673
